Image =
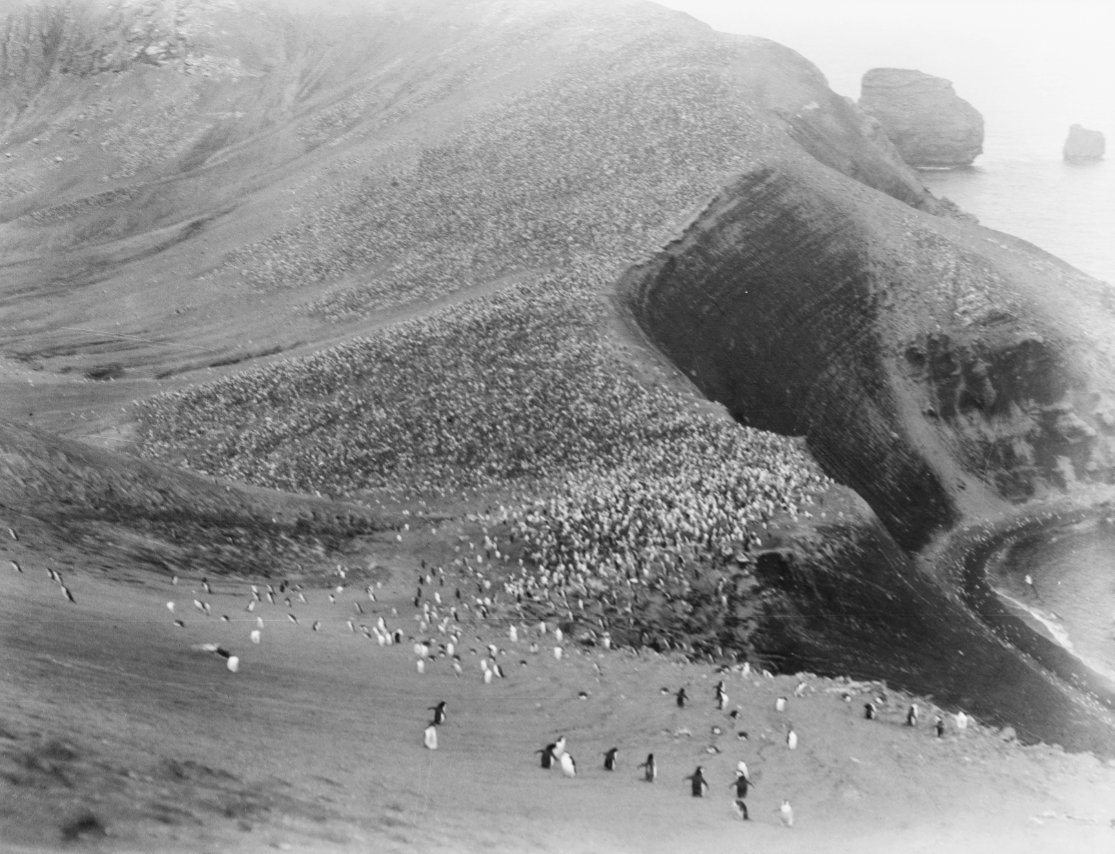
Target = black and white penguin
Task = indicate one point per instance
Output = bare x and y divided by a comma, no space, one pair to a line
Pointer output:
69,595
650,770
610,759
912,715
16,566
681,698
559,746
548,755
939,726
698,783
869,711
439,712
568,766
429,737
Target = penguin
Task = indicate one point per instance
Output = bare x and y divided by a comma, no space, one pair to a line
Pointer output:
233,663
548,755
786,813
799,691
13,534
912,715
316,625
16,566
292,618
869,711
53,575
681,698
939,726
698,783
610,759
792,739
780,704
650,770
69,595
568,766
255,636
439,712
559,746
741,784
430,737
180,624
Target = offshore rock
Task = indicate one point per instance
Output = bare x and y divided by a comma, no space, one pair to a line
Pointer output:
928,123
1083,144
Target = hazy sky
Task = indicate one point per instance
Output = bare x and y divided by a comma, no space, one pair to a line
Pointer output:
1039,64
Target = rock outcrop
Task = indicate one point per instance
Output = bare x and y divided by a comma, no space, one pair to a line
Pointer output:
928,123
1083,144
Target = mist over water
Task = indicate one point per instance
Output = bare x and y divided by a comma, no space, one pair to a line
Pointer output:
1031,68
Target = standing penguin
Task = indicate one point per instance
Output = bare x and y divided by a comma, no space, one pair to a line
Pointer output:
741,784
439,712
791,739
698,783
548,756
650,770
430,737
912,715
610,759
939,726
786,813
961,720
681,698
721,696
559,746
869,711
568,766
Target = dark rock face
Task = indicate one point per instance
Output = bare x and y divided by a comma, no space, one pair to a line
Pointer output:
930,367
925,119
1083,144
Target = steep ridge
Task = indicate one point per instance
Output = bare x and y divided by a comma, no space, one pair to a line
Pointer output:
924,359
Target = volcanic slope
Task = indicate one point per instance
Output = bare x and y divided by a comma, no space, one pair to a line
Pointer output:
372,252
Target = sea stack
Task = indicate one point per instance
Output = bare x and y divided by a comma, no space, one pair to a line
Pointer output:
1083,145
929,124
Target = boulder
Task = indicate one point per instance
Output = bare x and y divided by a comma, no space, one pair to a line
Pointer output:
1083,144
929,124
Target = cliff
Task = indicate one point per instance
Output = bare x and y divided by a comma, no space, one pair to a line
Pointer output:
937,368
929,124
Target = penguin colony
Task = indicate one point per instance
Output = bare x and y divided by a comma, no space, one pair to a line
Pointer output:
436,616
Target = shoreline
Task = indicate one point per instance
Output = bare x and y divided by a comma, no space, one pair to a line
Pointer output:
963,555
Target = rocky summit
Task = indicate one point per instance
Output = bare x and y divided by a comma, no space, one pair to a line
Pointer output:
929,124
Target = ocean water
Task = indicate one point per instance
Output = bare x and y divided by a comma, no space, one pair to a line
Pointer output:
1031,67
1073,591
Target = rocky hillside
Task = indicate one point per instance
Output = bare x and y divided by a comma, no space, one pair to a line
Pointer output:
372,251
